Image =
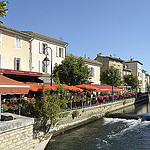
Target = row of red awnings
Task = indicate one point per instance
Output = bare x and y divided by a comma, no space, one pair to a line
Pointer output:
10,86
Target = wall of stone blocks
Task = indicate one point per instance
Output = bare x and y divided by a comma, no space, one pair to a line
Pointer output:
18,139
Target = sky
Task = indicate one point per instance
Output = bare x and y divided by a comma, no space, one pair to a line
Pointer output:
120,28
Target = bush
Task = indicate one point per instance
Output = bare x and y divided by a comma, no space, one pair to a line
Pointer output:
75,114
4,106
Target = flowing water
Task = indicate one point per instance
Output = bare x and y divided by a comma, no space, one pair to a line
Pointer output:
108,134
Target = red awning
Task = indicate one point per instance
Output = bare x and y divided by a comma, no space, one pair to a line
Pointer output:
106,87
67,87
84,86
39,87
10,86
18,72
125,87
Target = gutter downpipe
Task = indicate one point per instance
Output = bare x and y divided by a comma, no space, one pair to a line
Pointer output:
65,48
30,51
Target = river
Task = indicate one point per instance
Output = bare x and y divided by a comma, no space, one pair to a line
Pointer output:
108,134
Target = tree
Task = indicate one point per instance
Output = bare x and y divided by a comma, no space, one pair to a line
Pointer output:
109,75
131,80
72,72
51,106
3,9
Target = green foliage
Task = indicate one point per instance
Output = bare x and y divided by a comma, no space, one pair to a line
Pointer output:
75,114
72,72
3,9
5,108
124,102
131,80
108,74
51,106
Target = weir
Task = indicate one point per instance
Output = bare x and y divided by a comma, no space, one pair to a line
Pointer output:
143,117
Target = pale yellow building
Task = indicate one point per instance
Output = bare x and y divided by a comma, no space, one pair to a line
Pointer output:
14,49
95,68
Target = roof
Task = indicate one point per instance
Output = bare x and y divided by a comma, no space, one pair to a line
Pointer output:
42,36
125,69
87,60
133,61
10,86
14,31
110,57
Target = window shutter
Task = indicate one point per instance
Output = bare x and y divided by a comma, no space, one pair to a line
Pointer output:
40,66
63,52
48,49
57,51
93,72
15,65
40,47
0,37
0,61
15,42
19,40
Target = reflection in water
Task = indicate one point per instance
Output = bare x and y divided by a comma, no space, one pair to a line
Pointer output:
108,134
140,108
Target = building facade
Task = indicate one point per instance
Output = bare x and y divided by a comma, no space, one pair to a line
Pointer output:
94,66
136,67
109,61
42,46
14,55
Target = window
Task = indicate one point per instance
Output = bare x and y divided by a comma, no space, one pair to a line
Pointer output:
44,68
118,63
60,52
0,61
92,71
42,48
0,37
17,42
17,63
120,71
114,63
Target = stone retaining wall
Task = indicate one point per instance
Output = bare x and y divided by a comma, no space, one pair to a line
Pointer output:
89,114
16,134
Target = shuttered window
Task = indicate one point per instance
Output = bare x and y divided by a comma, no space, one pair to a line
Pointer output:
0,61
17,63
17,42
0,37
60,52
92,71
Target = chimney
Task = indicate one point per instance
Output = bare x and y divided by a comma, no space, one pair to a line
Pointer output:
100,54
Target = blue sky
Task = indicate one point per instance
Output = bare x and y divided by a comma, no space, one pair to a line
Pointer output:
120,28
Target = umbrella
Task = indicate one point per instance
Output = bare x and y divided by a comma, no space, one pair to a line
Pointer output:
84,86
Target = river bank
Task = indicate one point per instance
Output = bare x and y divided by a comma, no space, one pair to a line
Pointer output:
87,115
107,133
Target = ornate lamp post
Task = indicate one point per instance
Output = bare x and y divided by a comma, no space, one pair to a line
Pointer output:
131,82
111,74
47,61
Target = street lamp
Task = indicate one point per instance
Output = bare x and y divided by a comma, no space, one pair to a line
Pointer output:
131,82
47,61
112,80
